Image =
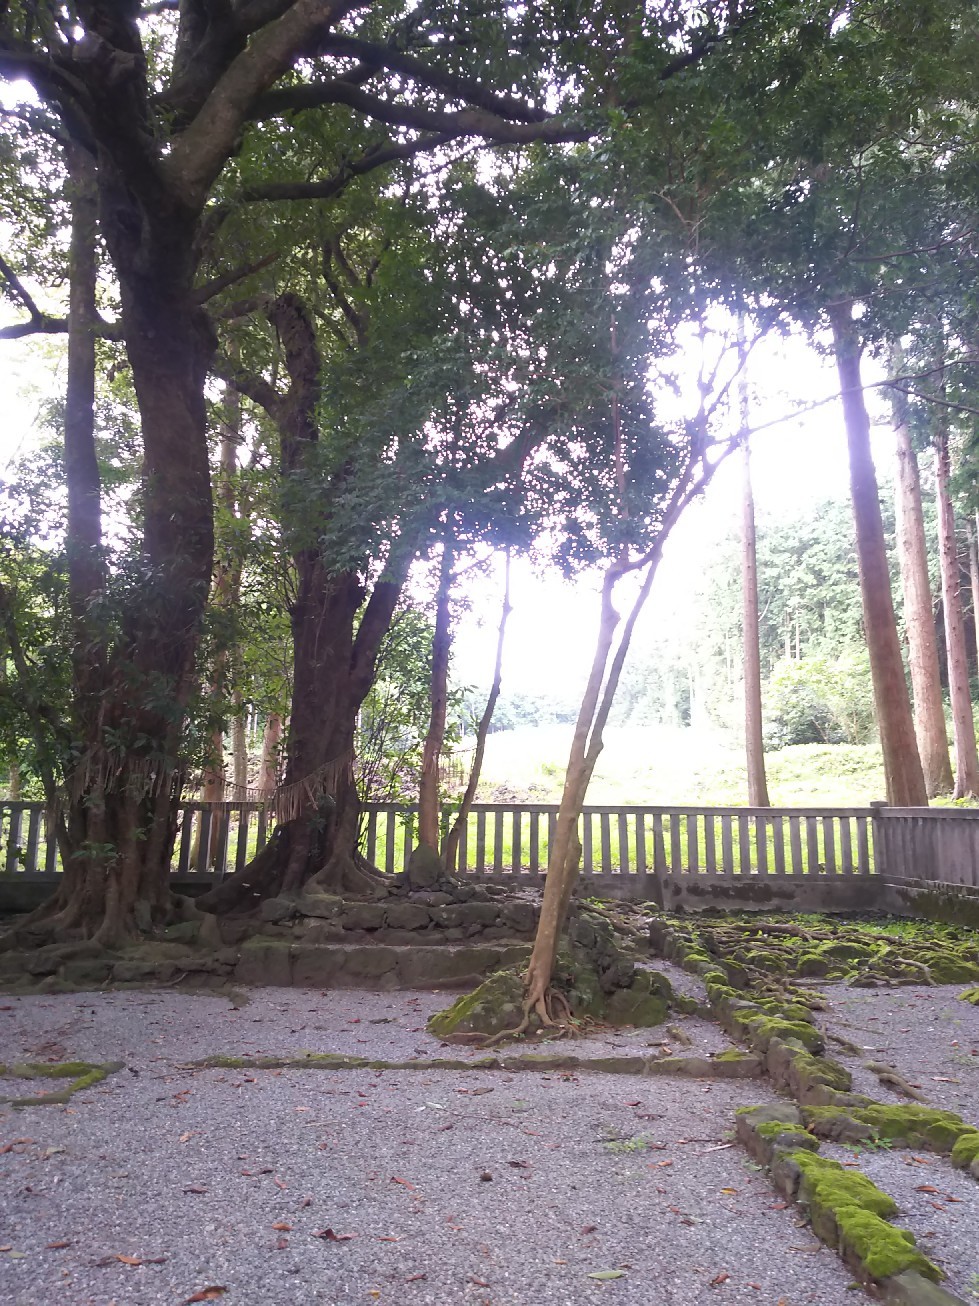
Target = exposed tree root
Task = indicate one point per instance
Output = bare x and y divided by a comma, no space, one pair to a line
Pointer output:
554,1017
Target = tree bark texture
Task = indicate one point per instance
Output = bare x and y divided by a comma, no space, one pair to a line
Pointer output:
903,775
963,724
428,783
919,621
268,775
754,739
123,794
974,582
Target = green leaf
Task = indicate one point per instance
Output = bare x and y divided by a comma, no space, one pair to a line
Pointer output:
606,1274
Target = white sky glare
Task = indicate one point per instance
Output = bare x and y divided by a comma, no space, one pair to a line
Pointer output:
796,464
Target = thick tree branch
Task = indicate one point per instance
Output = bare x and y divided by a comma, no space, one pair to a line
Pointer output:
376,157
374,58
212,288
249,384
473,121
199,154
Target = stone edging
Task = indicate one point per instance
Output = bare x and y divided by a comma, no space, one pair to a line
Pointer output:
729,1065
786,1138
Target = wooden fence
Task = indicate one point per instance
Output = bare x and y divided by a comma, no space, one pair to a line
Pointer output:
625,850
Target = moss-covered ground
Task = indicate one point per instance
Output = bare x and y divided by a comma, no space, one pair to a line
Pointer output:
770,954
78,1074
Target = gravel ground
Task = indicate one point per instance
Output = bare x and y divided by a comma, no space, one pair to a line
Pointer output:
279,1020
223,1178
926,1033
939,1204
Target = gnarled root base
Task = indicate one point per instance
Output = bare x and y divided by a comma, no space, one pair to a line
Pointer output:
553,1015
291,863
73,918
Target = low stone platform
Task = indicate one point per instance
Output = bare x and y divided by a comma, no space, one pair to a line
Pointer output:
263,961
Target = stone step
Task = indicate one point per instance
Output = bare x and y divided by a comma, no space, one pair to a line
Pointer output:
374,966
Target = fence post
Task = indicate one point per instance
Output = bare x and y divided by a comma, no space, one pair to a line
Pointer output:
877,809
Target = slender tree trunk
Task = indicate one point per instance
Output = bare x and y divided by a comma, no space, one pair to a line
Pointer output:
963,724
482,730
428,784
13,782
754,740
974,583
239,733
268,775
929,713
902,767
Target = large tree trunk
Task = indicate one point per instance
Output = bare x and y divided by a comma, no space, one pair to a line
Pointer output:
428,783
333,669
123,792
317,805
963,724
454,838
754,739
926,685
903,775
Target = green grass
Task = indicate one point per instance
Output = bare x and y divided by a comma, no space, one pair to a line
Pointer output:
663,766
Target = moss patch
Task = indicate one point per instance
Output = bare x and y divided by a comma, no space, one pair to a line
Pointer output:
493,1006
965,1150
81,1074
846,1209
912,1126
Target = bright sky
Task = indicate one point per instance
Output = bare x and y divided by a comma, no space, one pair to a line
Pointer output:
553,625
796,464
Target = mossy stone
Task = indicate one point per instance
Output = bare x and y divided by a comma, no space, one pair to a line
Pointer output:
492,1007
966,1149
642,1004
881,1249
950,969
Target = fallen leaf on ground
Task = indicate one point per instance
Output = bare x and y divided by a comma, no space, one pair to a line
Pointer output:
405,1182
185,1138
212,1293
331,1237
519,1165
718,1279
281,1226
195,1188
56,1247
606,1274
413,1278
588,1228
7,1147
925,1188
479,1283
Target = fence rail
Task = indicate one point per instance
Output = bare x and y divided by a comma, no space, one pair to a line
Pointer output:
720,844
